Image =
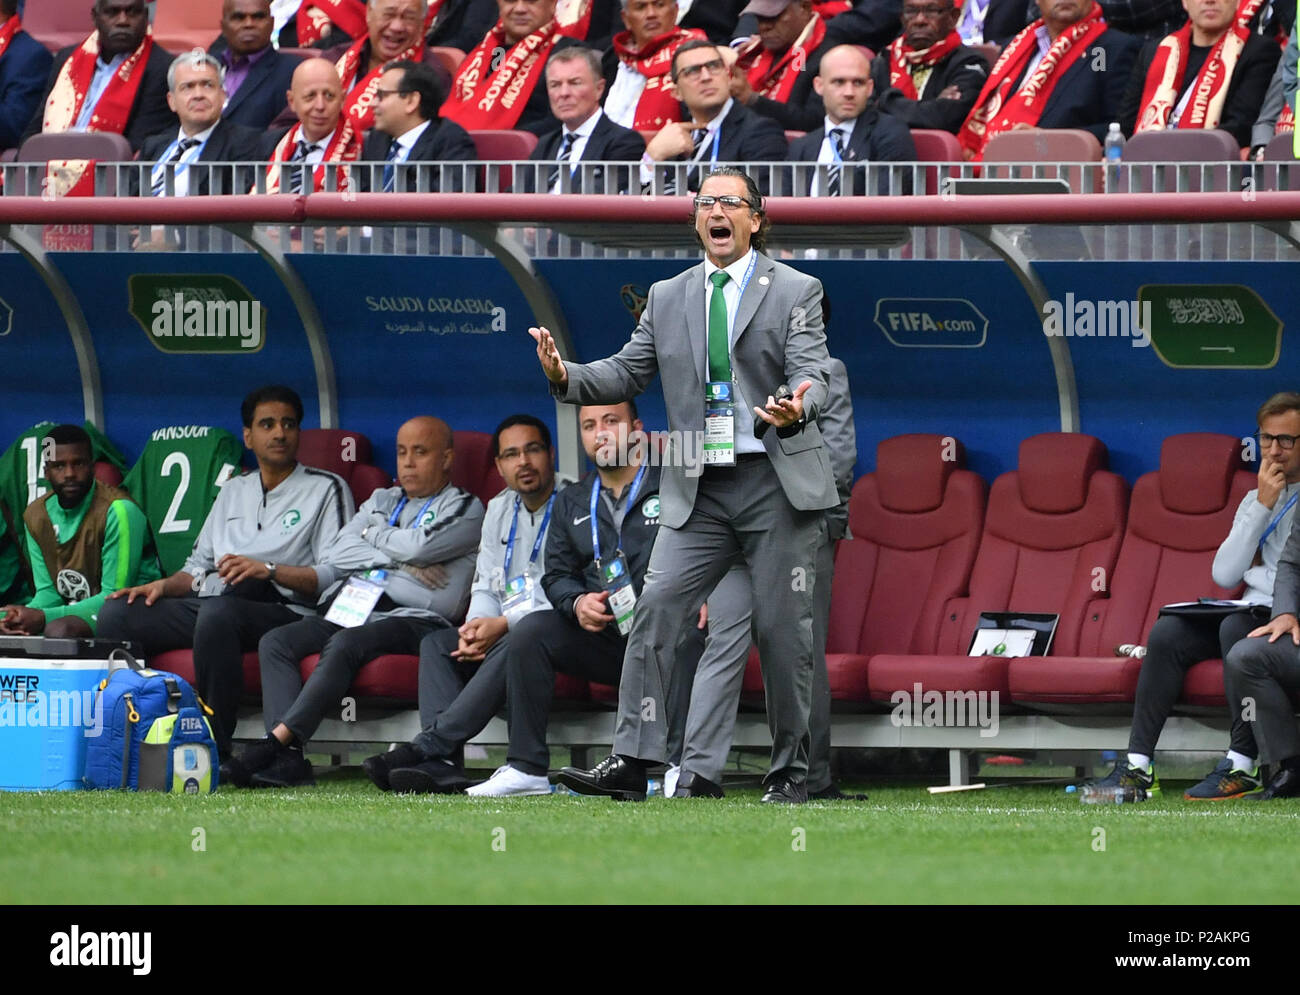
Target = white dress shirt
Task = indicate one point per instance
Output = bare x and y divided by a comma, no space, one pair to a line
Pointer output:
731,290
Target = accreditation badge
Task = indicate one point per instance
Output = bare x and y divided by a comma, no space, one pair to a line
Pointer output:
622,597
517,600
353,605
719,424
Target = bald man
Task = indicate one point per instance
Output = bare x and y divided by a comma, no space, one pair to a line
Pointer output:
323,134
400,569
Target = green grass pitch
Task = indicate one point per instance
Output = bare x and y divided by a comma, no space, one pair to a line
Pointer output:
345,842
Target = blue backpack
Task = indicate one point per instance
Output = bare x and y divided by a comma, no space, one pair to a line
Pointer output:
154,733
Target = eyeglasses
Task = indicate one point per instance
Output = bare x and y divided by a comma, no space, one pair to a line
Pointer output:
1283,441
381,93
933,12
729,201
714,66
530,450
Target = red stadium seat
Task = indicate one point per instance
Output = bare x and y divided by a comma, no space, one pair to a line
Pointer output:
1049,145
107,473
1178,516
182,25
100,146
1051,525
1171,152
58,23
935,146
474,469
451,58
182,662
502,146
915,525
345,453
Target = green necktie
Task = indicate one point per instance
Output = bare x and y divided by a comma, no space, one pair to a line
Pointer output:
719,348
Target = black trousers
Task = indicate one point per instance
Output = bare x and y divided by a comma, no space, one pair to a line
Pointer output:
1175,645
458,699
343,652
219,629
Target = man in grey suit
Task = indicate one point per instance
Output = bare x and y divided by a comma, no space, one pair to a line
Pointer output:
761,495
711,719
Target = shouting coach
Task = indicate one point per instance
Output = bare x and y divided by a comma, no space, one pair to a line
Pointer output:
723,335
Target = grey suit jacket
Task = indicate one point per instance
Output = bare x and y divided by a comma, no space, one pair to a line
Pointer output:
836,422
779,340
1286,585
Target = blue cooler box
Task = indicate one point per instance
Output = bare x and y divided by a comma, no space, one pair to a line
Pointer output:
48,709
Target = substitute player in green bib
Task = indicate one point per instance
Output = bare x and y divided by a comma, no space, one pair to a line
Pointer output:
84,541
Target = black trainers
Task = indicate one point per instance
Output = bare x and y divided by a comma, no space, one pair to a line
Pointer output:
1225,782
1125,775
432,777
378,767
289,770
257,756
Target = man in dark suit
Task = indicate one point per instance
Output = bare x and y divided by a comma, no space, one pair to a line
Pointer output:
257,76
462,23
775,69
1081,69
408,130
116,80
993,22
196,94
873,23
926,77
585,133
1214,39
717,129
722,336
852,132
24,64
716,18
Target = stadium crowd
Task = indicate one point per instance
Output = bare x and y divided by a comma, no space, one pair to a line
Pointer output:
326,83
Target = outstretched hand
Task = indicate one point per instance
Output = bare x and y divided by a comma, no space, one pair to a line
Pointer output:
549,356
787,411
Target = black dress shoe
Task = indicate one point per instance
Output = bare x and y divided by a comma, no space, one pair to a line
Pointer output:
1285,784
252,758
831,793
691,785
290,770
433,777
785,790
615,776
378,767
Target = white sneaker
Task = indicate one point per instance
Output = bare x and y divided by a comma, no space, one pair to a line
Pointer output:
507,781
670,780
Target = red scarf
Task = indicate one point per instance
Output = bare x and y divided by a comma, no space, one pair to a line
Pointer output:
654,60
349,16
483,97
998,109
574,18
10,28
829,8
1285,121
904,60
1164,82
345,146
773,77
73,83
359,104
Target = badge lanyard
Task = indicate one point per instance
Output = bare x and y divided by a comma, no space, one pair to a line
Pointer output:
397,512
541,534
595,496
1274,523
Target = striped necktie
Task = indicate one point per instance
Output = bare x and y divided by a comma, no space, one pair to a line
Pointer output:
303,150
159,178
562,160
390,170
834,172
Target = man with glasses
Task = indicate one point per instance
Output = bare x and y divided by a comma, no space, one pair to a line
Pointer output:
463,671
775,69
724,337
719,129
926,77
408,130
1250,554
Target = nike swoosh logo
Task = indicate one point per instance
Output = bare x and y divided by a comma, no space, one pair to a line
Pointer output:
579,521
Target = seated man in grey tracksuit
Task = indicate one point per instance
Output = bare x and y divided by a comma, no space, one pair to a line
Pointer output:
463,671
398,570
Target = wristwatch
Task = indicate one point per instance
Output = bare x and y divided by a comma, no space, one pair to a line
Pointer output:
271,570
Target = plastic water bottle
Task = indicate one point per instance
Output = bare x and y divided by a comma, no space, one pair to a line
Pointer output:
653,786
1114,155
1094,794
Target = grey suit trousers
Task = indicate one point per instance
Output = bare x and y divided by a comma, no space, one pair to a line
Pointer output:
711,722
738,511
1266,672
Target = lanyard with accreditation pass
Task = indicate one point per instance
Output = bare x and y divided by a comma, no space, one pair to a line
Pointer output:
1274,523
720,396
354,603
518,597
614,573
